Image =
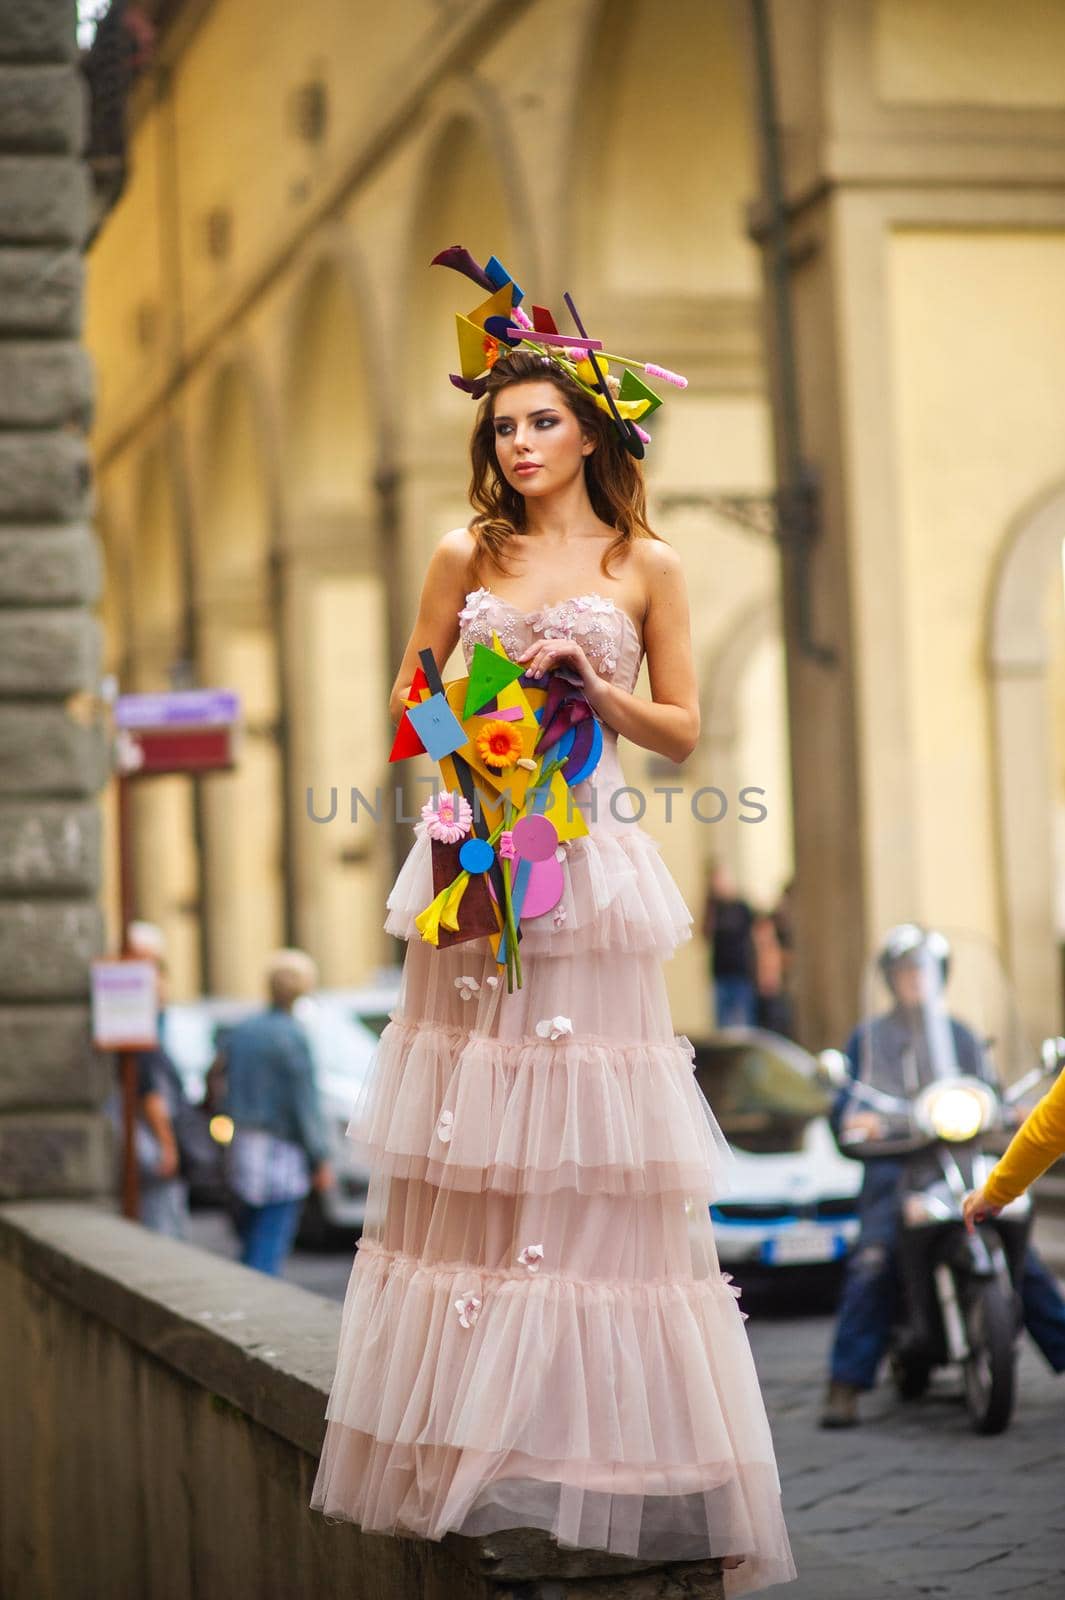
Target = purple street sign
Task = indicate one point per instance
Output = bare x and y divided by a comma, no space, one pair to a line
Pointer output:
181,708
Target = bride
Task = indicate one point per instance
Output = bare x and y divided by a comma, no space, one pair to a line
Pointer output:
537,1332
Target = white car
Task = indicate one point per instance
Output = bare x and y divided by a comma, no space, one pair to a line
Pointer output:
343,1027
793,1201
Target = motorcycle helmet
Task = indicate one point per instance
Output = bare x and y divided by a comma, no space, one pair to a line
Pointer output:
909,942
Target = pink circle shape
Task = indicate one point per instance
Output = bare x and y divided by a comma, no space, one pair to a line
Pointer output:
535,837
544,889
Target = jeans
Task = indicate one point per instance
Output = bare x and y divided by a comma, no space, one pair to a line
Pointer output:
867,1309
734,1002
165,1205
267,1232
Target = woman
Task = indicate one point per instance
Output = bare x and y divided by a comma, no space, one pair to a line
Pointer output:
537,1332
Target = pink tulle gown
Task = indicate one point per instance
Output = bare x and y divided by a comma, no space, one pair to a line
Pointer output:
537,1332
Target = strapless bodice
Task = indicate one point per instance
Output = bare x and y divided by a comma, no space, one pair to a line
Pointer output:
604,630
612,643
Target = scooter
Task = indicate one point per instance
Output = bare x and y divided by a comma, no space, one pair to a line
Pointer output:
960,1305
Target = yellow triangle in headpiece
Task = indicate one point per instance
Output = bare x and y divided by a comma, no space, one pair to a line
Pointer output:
501,304
473,359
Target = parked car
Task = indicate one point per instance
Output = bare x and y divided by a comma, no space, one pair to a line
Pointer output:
793,1198
343,1027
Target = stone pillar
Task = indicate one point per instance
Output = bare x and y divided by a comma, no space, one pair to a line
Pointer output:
52,751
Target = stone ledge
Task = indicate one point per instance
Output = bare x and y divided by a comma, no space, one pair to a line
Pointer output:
265,1346
265,1350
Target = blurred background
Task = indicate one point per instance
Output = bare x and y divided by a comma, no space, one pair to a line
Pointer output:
277,449
228,447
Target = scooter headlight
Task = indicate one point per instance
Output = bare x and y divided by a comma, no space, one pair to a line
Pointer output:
956,1111
221,1129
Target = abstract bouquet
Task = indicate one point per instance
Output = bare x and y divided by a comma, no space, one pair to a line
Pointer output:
509,748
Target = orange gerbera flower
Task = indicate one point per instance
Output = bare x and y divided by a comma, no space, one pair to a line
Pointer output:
499,744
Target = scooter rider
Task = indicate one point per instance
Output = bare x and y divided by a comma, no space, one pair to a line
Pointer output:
899,1051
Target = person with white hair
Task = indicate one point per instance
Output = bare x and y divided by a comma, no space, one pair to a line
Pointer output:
279,1149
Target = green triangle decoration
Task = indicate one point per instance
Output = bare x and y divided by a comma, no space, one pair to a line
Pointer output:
489,672
634,388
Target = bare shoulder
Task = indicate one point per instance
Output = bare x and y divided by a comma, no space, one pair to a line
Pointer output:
455,548
662,575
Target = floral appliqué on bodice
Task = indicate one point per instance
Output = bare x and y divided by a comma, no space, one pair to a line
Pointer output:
606,632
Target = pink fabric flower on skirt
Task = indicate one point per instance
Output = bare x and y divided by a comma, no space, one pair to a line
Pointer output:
733,1289
469,1309
532,1256
553,1027
447,817
444,1126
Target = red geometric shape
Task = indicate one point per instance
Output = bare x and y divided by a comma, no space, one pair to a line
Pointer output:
406,742
543,321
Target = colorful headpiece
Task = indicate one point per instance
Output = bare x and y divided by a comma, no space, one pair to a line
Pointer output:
499,324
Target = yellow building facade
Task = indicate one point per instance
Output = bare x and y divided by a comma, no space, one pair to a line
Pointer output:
278,450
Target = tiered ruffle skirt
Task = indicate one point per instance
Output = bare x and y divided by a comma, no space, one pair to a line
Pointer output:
537,1332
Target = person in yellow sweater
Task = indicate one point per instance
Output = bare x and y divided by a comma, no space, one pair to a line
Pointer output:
1038,1141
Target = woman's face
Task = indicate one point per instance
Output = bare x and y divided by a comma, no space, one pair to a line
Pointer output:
539,444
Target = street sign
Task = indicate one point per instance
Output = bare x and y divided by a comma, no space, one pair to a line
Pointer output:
191,730
125,1005
180,708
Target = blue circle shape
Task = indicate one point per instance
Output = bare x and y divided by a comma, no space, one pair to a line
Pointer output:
593,755
476,855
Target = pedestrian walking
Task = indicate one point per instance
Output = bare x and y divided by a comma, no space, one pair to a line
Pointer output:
279,1149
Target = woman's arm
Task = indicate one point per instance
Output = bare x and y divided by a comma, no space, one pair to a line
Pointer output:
669,723
1039,1140
436,627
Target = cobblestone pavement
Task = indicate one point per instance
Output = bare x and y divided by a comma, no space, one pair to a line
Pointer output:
911,1504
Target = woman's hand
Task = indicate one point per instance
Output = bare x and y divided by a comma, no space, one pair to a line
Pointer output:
548,655
976,1209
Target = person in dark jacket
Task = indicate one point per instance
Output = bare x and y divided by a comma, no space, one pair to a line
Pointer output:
280,1148
900,1052
728,928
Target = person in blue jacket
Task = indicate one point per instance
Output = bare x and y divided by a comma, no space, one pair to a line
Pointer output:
899,1053
280,1147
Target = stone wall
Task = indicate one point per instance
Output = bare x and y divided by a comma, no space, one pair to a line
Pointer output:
52,751
163,1413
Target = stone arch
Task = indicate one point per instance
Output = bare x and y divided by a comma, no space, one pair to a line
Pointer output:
238,649
337,602
744,727
151,619
1024,640
461,198
155,617
658,128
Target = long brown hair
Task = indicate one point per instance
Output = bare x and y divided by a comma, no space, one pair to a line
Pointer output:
614,480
